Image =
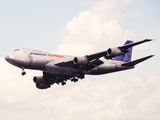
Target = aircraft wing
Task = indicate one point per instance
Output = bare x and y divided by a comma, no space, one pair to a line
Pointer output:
88,66
66,64
134,44
92,60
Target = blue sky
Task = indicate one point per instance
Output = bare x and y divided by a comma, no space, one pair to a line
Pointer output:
39,24
35,24
77,28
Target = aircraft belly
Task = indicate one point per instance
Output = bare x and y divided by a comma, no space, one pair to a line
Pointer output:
105,68
102,69
51,68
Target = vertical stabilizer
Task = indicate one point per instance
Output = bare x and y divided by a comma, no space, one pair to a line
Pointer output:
127,56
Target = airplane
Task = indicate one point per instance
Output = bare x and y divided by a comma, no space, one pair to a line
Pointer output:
60,68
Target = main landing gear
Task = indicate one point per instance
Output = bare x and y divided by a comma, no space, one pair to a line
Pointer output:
63,83
74,80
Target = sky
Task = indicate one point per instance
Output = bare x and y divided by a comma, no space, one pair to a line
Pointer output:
78,28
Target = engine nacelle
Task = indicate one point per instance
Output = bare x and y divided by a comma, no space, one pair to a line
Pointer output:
42,86
38,79
113,52
80,60
41,83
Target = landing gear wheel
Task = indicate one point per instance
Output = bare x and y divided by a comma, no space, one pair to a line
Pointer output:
81,76
74,80
63,83
23,73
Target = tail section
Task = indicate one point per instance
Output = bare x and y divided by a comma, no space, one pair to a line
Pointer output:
127,56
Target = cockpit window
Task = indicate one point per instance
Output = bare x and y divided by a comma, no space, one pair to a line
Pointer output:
16,50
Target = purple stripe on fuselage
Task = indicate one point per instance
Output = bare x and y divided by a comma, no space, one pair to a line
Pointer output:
38,54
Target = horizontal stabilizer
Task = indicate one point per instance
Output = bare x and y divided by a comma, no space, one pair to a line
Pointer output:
132,63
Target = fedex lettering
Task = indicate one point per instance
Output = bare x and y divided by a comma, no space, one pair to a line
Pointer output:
50,55
38,54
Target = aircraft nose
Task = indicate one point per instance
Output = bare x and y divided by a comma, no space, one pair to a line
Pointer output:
10,58
7,58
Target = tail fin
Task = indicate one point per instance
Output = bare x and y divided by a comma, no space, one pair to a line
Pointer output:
127,56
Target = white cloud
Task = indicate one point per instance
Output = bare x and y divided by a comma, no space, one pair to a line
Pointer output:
94,30
73,47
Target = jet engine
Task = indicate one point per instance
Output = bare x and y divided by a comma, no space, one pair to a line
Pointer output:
80,60
113,52
41,83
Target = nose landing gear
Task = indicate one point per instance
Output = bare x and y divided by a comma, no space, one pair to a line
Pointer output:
23,72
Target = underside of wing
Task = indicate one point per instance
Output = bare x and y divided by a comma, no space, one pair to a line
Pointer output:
66,64
86,67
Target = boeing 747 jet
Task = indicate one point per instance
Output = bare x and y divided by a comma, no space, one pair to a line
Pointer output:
60,68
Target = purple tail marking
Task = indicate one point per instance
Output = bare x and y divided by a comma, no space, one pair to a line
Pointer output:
127,56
